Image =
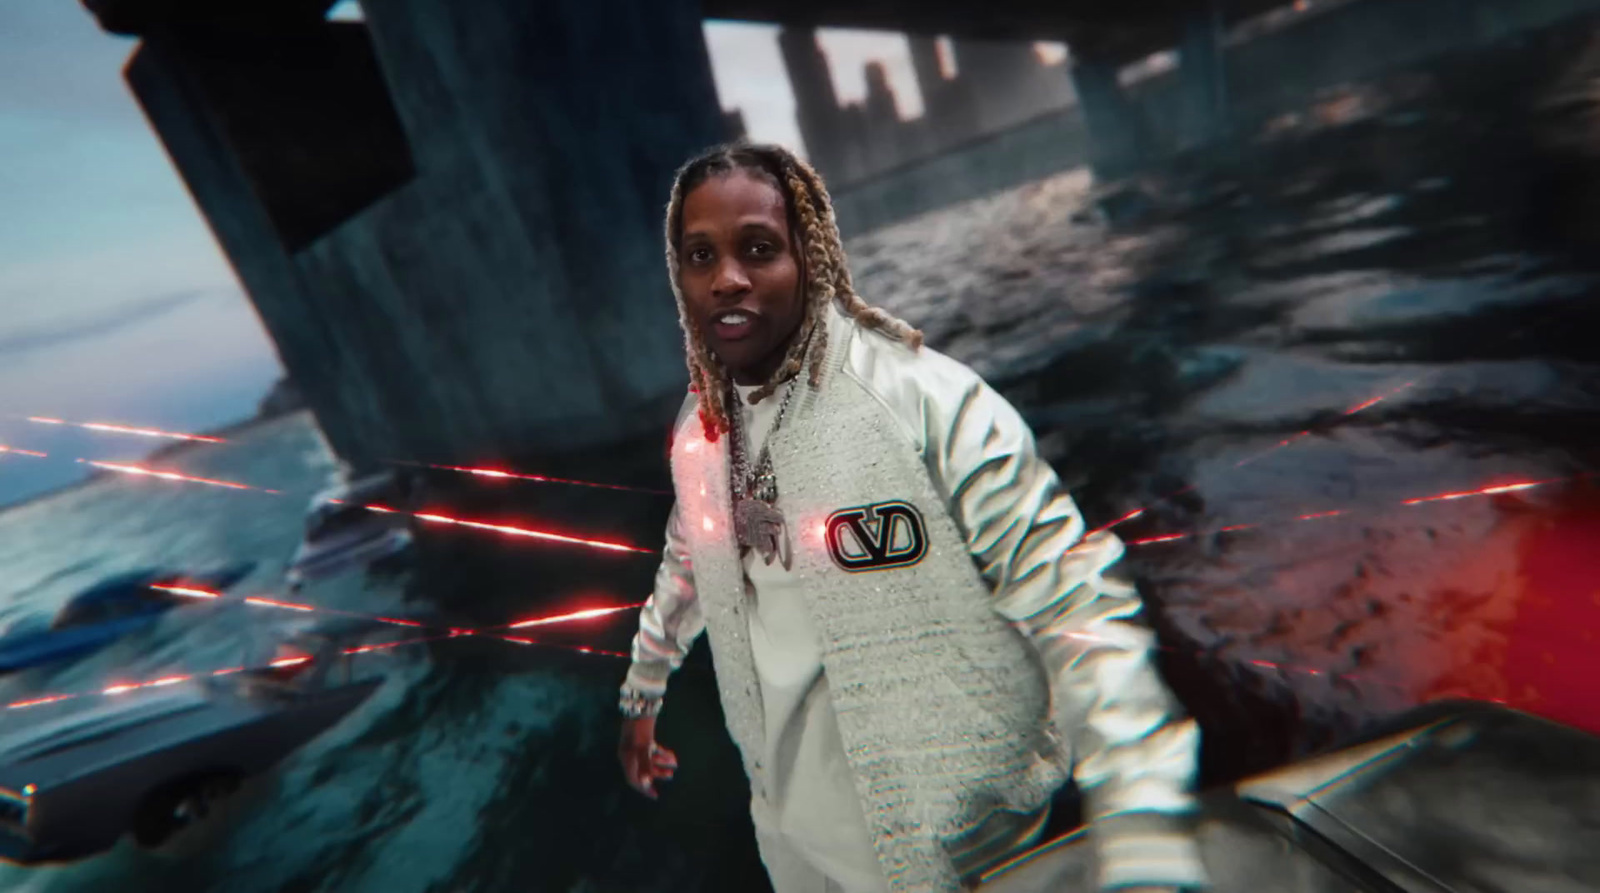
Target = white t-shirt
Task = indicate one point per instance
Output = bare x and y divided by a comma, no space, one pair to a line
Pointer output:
807,794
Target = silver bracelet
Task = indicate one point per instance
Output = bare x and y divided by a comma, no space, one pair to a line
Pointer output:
637,705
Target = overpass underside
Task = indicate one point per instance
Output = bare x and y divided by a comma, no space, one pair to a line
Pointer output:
447,215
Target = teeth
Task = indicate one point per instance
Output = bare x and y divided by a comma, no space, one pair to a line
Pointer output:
733,319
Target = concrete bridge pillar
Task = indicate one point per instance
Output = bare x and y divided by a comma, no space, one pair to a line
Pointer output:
1203,75
1119,137
448,216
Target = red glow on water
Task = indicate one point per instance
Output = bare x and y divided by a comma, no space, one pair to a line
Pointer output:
21,452
289,662
1552,658
141,471
575,615
110,428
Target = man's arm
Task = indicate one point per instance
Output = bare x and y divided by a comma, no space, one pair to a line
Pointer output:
1135,752
668,624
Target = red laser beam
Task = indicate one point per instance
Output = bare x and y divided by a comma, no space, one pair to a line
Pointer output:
517,640
1368,404
568,617
384,646
507,529
1284,668
271,603
433,518
512,530
21,452
186,590
575,615
1420,500
1363,405
1484,491
141,471
538,478
126,429
260,601
125,687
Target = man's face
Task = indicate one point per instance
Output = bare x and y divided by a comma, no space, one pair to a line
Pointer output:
739,273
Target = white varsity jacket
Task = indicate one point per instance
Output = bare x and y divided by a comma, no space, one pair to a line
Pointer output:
976,652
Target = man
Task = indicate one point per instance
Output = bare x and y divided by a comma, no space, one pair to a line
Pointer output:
902,604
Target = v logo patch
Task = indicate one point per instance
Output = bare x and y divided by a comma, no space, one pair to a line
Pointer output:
877,537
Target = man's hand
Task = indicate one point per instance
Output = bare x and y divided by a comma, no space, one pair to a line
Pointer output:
643,761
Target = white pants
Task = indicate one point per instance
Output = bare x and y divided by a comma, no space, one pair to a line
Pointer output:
794,869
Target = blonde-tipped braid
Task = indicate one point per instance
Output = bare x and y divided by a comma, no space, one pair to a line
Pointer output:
825,274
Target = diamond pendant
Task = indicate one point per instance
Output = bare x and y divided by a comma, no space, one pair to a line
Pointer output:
759,526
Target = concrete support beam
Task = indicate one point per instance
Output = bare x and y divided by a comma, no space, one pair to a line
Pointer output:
1203,75
264,125
1119,138
450,223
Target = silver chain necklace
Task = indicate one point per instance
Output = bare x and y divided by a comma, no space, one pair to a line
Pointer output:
756,520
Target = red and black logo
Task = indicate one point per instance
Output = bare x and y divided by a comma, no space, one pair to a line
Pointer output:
877,537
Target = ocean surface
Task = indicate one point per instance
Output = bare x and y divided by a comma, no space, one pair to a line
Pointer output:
1287,361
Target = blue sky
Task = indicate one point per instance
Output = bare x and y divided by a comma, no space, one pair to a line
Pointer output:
116,303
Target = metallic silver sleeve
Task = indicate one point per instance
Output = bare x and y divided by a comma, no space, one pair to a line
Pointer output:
670,621
1135,753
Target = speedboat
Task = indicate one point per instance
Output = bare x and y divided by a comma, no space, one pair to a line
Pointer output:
1450,798
102,614
156,760
343,534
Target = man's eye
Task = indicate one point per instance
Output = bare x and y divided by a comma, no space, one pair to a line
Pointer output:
699,255
762,249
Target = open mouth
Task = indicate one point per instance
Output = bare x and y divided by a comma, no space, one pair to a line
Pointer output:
733,325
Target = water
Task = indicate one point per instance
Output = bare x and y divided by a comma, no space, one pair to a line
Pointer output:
1351,258
1348,257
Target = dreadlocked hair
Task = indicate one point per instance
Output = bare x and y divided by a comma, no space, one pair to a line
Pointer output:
825,274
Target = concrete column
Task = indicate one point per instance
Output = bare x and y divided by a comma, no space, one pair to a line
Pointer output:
459,257
262,120
1203,76
1118,136
816,104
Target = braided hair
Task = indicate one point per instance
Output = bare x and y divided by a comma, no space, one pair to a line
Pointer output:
825,273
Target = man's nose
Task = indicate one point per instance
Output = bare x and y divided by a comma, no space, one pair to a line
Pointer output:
730,281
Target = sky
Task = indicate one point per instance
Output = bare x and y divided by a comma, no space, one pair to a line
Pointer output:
116,304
